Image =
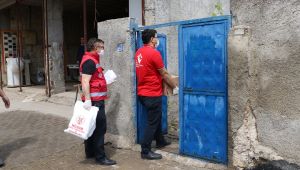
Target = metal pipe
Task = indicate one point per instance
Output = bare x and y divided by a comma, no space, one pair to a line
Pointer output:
46,46
178,23
84,25
143,12
1,64
19,44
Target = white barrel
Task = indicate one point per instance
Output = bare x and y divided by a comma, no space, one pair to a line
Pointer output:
13,76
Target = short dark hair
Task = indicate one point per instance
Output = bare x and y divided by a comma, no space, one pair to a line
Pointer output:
91,43
147,34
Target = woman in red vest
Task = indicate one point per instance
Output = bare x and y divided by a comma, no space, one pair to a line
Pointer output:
94,93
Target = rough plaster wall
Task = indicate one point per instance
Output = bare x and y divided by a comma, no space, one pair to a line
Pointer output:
194,9
157,12
55,36
135,10
119,107
273,84
245,149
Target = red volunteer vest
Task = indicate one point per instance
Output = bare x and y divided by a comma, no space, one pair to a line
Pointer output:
98,87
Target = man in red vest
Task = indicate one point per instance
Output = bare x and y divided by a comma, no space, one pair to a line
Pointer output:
94,93
151,73
7,104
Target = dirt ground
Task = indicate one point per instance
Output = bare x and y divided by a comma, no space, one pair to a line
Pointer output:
32,140
32,137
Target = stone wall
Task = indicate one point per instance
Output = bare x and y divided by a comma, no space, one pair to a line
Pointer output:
264,81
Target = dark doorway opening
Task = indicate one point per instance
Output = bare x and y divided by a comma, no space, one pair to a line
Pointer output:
96,11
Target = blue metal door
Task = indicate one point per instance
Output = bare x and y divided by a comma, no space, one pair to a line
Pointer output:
203,92
141,111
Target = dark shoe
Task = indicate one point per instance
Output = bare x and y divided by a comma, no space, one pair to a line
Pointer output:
106,161
1,163
151,156
162,144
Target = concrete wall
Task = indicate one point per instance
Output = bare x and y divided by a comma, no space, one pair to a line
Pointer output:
264,81
135,10
157,11
55,40
119,107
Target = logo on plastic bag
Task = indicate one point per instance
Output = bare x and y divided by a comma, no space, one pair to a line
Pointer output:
80,120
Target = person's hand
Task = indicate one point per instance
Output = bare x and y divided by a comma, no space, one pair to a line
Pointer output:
6,101
87,104
175,90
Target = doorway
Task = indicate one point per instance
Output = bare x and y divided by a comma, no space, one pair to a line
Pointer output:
198,48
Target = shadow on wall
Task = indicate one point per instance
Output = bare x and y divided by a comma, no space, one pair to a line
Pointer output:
7,149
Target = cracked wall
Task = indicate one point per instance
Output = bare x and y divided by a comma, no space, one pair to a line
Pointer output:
264,69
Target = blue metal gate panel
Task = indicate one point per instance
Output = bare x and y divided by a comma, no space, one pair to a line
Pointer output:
162,48
141,111
203,92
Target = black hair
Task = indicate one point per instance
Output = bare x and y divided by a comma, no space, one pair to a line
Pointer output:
91,43
147,34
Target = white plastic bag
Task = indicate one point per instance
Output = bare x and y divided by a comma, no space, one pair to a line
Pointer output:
110,76
83,122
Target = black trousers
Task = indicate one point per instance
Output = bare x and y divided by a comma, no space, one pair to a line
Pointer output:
153,129
94,145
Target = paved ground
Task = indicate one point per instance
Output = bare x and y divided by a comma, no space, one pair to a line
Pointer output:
31,140
32,137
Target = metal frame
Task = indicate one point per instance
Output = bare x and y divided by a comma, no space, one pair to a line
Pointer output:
222,19
134,29
3,59
19,43
133,45
46,48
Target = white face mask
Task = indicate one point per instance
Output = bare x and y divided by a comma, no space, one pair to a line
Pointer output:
157,43
101,53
